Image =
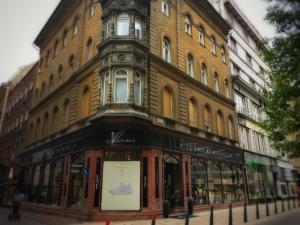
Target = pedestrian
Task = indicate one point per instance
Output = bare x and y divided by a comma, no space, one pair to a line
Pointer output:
17,199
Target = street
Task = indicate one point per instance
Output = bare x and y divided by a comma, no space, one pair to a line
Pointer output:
291,218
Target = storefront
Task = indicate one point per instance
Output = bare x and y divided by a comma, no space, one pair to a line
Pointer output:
260,176
132,170
286,182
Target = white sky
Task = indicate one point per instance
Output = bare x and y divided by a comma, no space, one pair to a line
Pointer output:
21,21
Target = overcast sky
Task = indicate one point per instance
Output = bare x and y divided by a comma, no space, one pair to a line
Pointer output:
21,21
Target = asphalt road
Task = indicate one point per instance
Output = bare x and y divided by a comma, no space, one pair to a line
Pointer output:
290,218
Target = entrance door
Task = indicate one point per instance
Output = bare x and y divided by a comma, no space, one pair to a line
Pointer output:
173,183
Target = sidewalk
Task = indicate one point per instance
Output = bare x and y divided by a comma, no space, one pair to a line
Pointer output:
202,218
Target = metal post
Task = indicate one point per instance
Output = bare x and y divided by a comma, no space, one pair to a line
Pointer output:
211,221
289,204
230,215
282,205
257,210
267,208
275,206
245,213
294,202
187,216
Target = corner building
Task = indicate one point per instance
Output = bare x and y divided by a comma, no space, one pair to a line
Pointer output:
139,93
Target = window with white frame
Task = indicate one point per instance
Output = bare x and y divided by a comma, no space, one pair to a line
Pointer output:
166,50
244,137
137,89
137,29
249,59
241,104
190,65
235,69
213,43
204,74
201,35
121,87
165,7
233,45
123,25
216,82
188,25
104,88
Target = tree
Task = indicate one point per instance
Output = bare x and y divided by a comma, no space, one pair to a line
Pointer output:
283,89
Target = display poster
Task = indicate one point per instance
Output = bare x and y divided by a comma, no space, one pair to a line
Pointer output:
121,185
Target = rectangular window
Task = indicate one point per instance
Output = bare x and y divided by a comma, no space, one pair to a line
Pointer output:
156,177
123,26
121,89
165,7
233,45
137,89
249,59
137,30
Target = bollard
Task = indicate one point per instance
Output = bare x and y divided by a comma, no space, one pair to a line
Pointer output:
107,222
282,205
211,221
294,202
275,206
289,205
153,219
187,218
267,208
230,215
257,210
245,213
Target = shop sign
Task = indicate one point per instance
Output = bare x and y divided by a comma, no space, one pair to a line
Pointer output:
119,137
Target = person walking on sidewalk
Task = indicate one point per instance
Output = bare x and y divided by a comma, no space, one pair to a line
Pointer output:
17,199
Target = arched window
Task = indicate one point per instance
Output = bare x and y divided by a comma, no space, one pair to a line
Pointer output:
138,88
220,123
192,112
216,82
213,43
167,103
36,95
231,132
165,7
166,50
51,83
122,25
223,54
121,86
190,65
138,29
48,57
71,63
201,35
86,101
46,124
56,184
92,8
43,90
37,128
89,50
64,39
55,49
75,26
207,118
67,109
226,87
188,24
105,87
60,74
55,119
31,133
204,73
45,183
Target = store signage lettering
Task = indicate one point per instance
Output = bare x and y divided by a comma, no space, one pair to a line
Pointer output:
119,138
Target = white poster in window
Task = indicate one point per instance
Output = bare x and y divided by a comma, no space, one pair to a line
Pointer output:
121,185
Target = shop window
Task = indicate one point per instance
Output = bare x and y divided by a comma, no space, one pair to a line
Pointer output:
76,182
214,183
231,128
166,50
199,182
226,87
137,89
188,24
123,25
56,182
45,183
220,123
190,65
216,82
204,74
137,29
67,109
165,7
89,50
105,88
167,103
121,86
86,102
213,48
202,35
192,112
